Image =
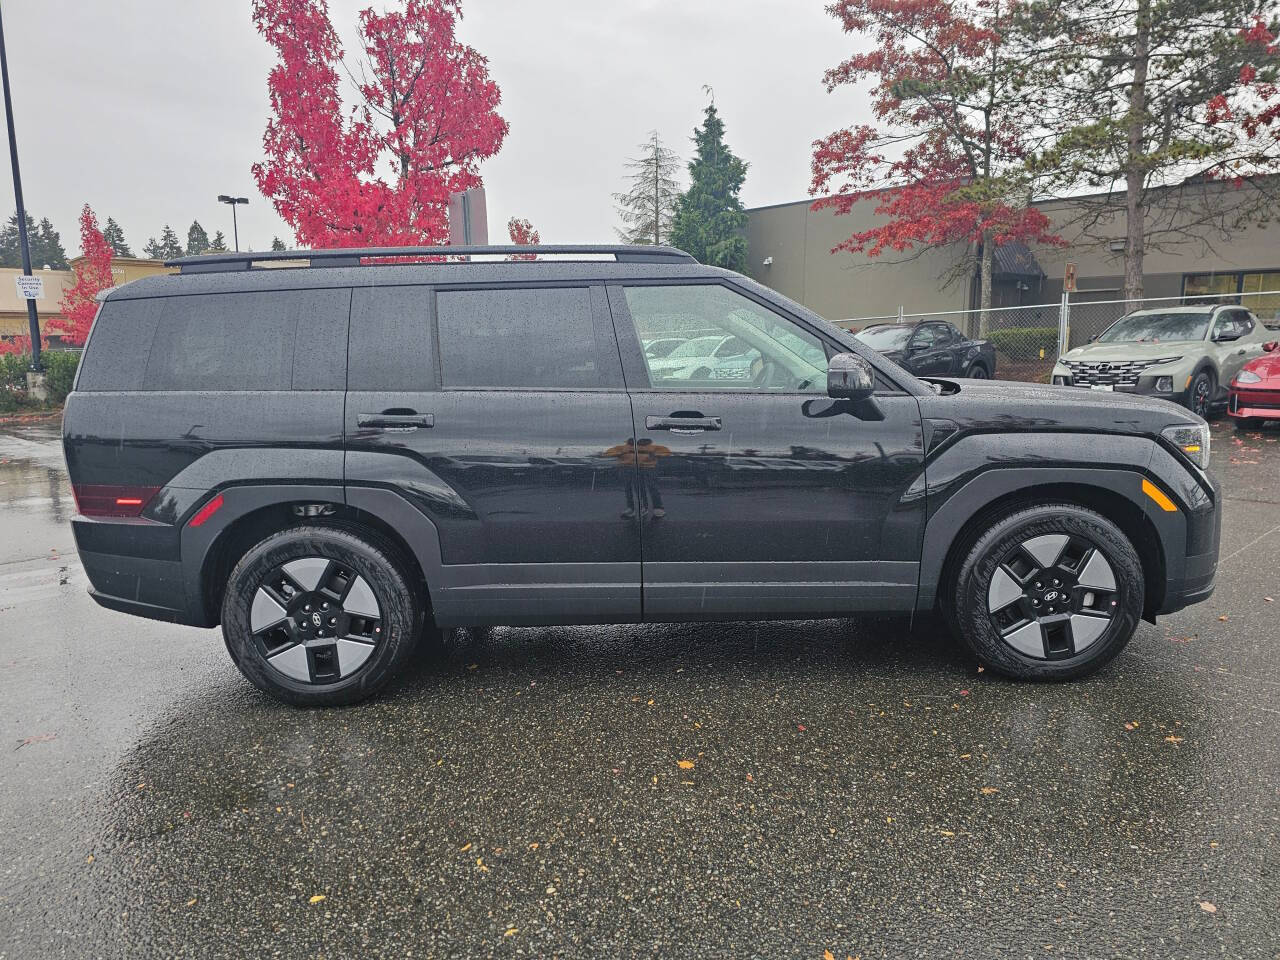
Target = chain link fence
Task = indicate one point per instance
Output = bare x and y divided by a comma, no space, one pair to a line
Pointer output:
1027,338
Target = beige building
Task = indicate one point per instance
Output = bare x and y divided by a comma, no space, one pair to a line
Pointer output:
789,249
13,309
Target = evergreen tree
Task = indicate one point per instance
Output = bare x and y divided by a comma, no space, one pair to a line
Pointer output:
710,221
115,237
649,206
43,240
50,248
277,244
152,249
219,244
197,239
166,248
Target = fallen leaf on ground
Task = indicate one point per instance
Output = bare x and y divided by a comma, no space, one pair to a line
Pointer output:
38,738
1172,739
317,898
480,865
801,727
1224,618
465,848
987,791
1208,907
511,931
191,902
828,955
1268,600
685,764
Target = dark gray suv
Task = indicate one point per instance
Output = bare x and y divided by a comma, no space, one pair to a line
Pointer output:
346,455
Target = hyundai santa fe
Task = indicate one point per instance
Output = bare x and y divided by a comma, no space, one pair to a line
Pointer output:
345,456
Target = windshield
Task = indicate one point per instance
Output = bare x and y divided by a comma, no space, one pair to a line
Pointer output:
1154,325
886,338
701,347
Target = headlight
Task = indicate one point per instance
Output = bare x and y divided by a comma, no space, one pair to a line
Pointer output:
1192,440
1247,376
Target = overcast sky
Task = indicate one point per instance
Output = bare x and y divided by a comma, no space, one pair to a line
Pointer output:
149,110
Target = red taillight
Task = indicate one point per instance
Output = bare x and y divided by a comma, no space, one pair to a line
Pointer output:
111,500
207,511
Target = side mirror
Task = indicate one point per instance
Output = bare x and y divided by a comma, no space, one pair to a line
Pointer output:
1270,345
849,377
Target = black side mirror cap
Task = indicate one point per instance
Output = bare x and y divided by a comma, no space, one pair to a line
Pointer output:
849,377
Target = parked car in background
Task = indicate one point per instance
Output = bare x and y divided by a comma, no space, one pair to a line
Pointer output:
661,346
932,349
706,358
1254,394
1185,354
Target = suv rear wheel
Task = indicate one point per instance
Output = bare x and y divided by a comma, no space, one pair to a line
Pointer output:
320,615
1051,592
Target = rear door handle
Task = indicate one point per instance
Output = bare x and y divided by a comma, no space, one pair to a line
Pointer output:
395,421
683,424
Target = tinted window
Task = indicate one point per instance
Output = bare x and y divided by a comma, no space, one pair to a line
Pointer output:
536,338
246,341
116,356
885,338
390,339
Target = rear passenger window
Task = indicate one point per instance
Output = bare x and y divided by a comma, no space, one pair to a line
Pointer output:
534,338
242,341
116,355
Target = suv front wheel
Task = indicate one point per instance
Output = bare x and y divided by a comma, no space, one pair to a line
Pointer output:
320,616
1050,592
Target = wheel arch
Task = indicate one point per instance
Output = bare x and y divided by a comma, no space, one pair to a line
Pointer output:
938,577
269,510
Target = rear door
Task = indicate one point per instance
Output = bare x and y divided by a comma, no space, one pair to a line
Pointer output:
929,350
757,495
500,414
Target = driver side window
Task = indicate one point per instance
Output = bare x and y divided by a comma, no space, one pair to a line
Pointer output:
726,341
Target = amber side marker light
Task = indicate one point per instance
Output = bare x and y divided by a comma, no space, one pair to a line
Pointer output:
1159,496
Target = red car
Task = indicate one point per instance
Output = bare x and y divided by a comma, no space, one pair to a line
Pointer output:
1255,391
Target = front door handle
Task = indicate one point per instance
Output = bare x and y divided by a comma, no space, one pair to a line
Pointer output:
395,421
683,424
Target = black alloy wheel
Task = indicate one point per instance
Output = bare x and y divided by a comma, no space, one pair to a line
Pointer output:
1049,592
320,615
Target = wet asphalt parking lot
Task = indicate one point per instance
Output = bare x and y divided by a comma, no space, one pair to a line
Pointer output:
745,790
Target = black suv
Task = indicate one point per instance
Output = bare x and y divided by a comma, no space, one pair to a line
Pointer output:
342,459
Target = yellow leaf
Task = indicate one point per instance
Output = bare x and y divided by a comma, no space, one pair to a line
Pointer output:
89,859
480,865
472,666
685,764
465,847
1208,907
511,931
317,898
1172,739
946,833
987,791
191,902
828,955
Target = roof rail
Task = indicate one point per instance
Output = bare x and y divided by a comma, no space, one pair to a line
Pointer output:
352,256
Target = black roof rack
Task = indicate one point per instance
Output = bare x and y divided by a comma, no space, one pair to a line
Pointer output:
352,256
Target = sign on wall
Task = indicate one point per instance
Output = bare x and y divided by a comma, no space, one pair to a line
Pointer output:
30,288
1069,278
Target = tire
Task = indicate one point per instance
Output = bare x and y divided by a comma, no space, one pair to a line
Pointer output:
1005,586
977,372
1200,393
1248,423
321,615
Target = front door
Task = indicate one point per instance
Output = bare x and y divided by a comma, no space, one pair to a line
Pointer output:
500,414
756,494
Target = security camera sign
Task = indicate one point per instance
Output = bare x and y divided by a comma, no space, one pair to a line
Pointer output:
29,288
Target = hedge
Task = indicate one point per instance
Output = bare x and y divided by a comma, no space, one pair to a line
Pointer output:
60,372
1025,343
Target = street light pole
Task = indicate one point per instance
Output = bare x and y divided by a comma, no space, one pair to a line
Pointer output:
33,320
235,228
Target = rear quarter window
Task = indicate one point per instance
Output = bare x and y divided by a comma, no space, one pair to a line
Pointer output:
268,340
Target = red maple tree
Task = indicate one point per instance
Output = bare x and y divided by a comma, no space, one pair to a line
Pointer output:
523,234
79,304
944,158
424,119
